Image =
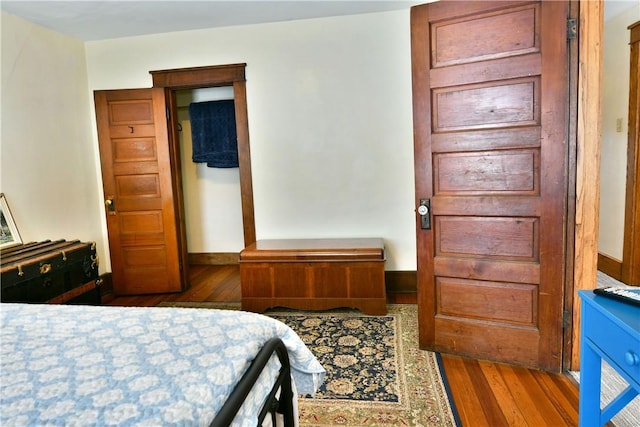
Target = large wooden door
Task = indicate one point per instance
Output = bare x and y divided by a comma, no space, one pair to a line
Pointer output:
139,201
631,249
490,101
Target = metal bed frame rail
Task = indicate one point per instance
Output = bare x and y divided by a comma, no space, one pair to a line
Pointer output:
282,404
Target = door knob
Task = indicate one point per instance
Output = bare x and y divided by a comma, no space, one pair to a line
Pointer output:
110,204
425,214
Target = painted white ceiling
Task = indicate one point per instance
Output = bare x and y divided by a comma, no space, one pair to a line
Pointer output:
105,19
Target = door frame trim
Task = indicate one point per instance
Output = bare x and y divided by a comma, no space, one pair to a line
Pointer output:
214,76
587,188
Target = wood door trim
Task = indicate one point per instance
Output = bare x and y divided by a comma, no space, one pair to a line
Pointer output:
197,77
589,119
570,247
631,246
216,76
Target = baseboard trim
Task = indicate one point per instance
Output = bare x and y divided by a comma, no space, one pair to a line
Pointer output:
214,258
396,282
610,266
401,282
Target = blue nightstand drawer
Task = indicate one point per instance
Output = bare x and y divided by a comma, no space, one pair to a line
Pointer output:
622,348
610,331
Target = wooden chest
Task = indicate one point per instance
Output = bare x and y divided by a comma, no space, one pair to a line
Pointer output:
51,271
314,274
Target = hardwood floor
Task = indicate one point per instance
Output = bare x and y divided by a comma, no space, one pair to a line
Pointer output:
485,393
215,283
492,394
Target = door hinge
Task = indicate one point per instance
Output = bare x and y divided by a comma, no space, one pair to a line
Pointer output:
566,319
572,28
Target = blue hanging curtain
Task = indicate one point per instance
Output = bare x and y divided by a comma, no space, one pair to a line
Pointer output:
213,133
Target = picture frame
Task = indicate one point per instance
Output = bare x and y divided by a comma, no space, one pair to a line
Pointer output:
9,235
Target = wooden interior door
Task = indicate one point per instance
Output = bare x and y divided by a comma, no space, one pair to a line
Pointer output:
490,129
631,249
139,201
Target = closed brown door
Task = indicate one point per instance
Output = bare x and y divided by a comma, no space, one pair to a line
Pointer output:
630,269
139,201
490,100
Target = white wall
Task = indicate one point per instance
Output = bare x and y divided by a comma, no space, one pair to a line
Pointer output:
48,168
615,104
329,106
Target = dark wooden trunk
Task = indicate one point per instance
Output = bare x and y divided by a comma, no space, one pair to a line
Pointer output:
50,271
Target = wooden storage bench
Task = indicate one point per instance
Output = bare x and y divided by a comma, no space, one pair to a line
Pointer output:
314,274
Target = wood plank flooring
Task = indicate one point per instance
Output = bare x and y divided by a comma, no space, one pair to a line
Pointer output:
485,393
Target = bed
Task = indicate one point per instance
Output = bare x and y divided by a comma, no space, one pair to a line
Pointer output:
86,365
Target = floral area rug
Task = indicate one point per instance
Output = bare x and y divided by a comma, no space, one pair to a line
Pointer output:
376,374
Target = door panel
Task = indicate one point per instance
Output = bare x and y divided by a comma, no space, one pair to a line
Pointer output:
456,298
484,172
489,93
489,36
487,237
481,106
136,174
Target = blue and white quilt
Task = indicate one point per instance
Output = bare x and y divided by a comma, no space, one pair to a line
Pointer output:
82,365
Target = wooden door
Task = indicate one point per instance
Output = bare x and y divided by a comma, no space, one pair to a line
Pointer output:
490,128
139,202
631,249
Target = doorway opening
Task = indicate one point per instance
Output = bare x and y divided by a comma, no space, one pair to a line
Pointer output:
212,197
221,82
619,237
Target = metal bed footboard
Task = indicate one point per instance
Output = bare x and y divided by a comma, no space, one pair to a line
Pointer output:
282,404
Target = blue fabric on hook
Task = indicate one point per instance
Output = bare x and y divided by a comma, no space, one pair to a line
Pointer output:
213,133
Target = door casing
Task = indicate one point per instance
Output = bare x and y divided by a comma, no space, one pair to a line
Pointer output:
233,75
